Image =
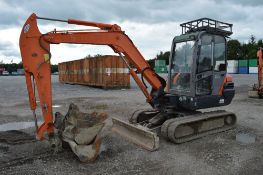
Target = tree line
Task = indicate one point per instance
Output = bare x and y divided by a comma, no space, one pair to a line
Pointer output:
235,50
12,67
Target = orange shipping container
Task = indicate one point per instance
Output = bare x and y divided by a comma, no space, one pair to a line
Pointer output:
102,71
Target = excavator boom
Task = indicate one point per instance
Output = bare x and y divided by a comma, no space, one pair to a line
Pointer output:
35,52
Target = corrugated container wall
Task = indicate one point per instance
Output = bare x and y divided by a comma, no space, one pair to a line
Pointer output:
253,66
232,66
160,69
243,63
243,66
102,71
160,66
243,70
253,70
253,62
159,63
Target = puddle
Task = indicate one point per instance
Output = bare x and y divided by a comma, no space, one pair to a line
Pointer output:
56,106
16,126
246,138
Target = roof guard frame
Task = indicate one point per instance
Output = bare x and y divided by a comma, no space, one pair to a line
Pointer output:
207,24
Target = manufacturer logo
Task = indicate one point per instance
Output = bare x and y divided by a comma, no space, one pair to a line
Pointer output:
26,28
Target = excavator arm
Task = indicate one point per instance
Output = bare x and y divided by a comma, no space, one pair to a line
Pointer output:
257,89
260,66
36,55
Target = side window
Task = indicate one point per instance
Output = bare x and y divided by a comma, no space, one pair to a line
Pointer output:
219,53
205,58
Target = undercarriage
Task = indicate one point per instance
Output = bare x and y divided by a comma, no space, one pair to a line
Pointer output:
144,127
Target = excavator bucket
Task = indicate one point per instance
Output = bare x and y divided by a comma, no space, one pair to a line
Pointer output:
81,131
137,134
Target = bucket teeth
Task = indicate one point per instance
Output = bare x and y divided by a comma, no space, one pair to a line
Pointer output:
137,134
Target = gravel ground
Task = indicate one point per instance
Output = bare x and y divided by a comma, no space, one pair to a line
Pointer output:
238,151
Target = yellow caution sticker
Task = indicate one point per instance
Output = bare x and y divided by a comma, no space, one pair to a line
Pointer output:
46,58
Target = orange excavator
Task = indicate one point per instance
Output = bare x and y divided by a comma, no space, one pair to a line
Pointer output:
257,89
197,79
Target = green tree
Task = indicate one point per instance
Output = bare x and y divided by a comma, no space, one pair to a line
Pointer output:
251,48
151,62
160,56
54,68
260,43
12,67
252,39
233,50
163,56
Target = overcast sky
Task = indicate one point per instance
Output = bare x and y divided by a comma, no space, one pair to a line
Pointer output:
151,24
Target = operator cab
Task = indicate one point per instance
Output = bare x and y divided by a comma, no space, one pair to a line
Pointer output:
198,62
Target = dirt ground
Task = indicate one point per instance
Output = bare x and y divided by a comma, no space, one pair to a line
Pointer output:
238,151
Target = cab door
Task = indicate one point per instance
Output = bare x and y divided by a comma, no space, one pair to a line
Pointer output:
219,57
204,68
211,65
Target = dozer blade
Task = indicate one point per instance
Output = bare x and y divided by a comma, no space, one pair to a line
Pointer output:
137,134
179,130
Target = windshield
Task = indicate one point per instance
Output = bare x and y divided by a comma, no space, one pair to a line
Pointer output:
182,61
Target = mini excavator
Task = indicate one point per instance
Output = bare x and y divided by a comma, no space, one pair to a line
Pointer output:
257,89
197,79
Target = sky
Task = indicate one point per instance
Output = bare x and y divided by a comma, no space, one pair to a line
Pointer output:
151,24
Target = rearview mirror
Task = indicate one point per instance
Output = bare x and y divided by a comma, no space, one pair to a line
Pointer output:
222,67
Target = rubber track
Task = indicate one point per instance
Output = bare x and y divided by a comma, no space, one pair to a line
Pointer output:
170,125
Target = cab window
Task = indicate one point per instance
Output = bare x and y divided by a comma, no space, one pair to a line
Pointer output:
219,53
205,58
